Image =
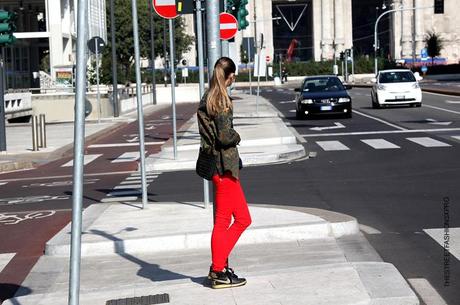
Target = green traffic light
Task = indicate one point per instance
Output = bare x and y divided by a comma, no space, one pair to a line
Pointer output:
7,27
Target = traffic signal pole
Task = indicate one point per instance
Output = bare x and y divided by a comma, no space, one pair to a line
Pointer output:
213,34
2,108
199,26
79,140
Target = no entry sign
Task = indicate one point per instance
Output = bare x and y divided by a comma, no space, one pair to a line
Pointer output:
228,26
166,8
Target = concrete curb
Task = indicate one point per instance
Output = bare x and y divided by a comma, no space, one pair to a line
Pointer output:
287,225
290,152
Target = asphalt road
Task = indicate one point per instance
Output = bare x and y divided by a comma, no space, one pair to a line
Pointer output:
396,170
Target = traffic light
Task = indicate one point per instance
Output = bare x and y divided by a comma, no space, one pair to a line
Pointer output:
7,28
342,55
439,6
242,14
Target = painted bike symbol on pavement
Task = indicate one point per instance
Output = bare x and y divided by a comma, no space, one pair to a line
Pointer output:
13,219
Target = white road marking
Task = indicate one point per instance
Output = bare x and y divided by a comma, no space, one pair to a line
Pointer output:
287,102
292,111
124,193
135,139
3,183
337,125
438,234
5,258
128,186
124,144
427,292
332,145
436,122
380,144
118,199
453,102
380,120
138,177
442,109
87,159
134,181
127,157
428,142
13,219
360,133
369,230
456,137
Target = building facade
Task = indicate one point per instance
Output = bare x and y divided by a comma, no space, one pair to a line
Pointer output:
46,38
301,30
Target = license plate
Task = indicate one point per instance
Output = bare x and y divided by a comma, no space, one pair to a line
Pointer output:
400,97
326,108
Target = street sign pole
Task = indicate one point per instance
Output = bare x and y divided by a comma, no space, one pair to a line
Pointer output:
173,83
225,46
79,140
2,109
152,46
213,34
140,111
258,70
249,67
116,112
97,82
199,26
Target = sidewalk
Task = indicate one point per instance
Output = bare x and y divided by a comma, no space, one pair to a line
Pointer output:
265,138
289,257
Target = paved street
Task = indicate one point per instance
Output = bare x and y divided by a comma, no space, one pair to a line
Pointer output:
393,169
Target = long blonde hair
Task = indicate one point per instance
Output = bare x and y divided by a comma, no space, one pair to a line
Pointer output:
218,100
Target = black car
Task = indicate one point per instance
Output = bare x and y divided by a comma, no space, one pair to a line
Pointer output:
322,95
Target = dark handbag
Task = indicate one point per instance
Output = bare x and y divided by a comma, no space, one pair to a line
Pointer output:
205,165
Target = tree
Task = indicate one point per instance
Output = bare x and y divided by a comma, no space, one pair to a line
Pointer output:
125,41
434,44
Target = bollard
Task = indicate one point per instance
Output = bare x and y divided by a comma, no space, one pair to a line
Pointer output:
42,131
34,133
37,128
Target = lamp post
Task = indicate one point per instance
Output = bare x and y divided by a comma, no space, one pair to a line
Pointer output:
401,8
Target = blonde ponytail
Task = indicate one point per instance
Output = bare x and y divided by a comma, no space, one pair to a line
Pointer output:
218,100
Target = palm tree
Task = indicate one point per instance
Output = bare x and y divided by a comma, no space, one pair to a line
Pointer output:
434,44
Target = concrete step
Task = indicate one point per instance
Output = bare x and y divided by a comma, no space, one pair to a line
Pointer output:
162,227
253,155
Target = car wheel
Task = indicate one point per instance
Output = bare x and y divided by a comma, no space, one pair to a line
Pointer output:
349,114
418,105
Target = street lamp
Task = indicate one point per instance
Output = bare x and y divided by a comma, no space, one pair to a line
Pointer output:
401,8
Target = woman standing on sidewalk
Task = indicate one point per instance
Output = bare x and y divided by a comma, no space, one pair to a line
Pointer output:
218,143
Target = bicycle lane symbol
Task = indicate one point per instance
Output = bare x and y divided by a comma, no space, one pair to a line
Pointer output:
13,219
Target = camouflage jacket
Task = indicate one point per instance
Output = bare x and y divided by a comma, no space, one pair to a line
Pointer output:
219,138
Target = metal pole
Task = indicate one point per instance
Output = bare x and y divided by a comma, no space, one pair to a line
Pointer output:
43,130
199,25
249,67
173,83
34,133
79,140
258,71
353,64
346,66
281,59
116,111
152,46
213,29
2,108
140,112
38,132
165,74
97,83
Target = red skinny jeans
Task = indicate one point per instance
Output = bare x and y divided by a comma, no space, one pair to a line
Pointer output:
229,201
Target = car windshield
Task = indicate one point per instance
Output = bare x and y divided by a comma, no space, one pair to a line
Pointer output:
396,77
322,84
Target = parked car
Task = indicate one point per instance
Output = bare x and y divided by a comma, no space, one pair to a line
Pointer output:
322,95
396,87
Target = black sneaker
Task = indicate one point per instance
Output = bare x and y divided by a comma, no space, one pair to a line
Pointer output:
225,279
